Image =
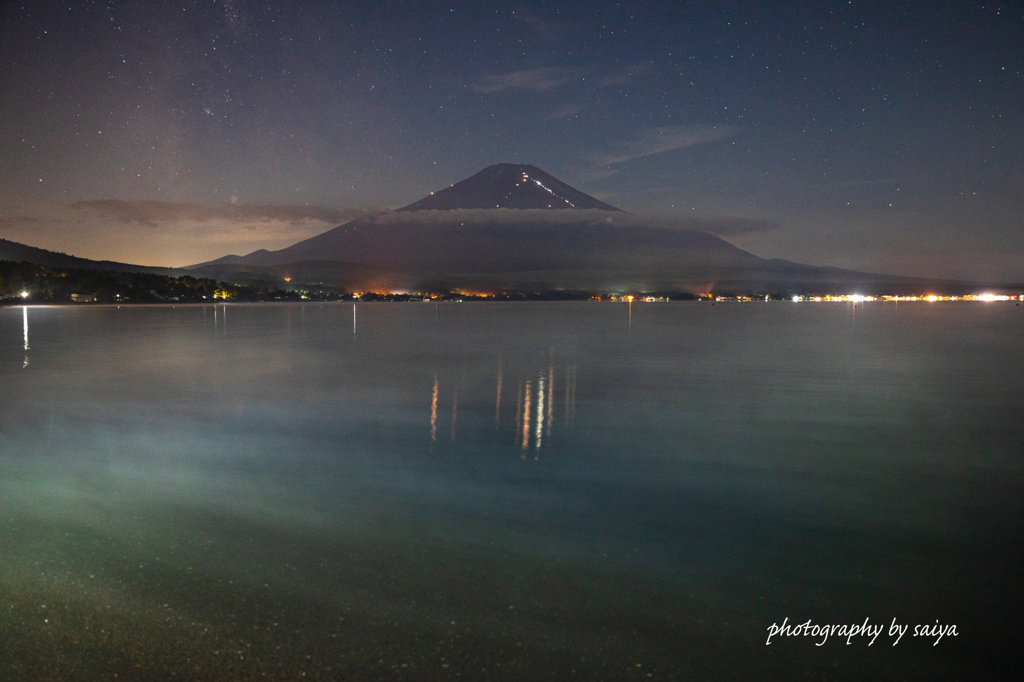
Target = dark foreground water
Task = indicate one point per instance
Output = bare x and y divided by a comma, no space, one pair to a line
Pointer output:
510,492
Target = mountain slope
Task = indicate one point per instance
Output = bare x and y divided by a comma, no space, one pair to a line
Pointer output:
465,246
13,251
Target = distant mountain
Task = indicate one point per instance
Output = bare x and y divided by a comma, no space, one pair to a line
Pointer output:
508,185
513,226
506,218
351,276
13,251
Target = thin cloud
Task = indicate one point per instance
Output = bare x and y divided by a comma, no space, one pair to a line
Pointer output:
152,213
663,139
724,226
537,80
548,78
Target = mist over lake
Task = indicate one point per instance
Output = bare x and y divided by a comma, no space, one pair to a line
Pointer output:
509,491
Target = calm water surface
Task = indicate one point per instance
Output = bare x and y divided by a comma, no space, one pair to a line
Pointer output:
510,491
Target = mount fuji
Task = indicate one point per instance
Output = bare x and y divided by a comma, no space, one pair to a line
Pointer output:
514,226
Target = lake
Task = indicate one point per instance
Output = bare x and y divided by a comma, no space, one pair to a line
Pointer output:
511,491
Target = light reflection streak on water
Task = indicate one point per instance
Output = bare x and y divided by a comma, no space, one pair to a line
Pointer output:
24,318
519,406
433,411
551,395
534,419
539,430
526,418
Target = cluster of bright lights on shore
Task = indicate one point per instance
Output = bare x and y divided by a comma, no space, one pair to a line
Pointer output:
625,298
857,298
630,299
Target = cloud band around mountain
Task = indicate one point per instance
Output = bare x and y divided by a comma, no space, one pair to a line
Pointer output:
724,226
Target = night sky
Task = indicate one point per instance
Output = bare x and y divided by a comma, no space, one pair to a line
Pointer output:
886,137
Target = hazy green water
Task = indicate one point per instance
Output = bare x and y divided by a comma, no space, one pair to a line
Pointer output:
518,491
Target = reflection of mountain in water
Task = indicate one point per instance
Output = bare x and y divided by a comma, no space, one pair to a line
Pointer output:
545,395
